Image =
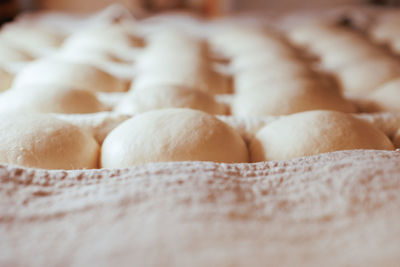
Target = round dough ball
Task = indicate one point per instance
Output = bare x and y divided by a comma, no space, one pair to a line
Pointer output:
42,141
314,132
203,80
6,79
285,71
172,135
50,99
298,96
50,71
366,75
385,98
162,97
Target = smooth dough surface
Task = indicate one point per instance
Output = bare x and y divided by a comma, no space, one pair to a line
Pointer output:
161,97
42,141
290,98
50,71
172,135
314,132
50,99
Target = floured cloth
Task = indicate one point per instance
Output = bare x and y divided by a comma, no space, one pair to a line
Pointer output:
335,209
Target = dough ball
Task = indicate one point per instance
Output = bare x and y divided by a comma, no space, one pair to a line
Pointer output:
51,71
259,59
50,99
298,96
286,71
364,76
162,97
42,141
347,55
172,135
6,79
241,40
314,132
384,98
206,81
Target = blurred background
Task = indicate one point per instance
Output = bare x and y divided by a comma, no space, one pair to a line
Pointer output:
10,8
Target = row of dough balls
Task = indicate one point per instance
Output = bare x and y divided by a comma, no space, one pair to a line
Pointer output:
175,57
109,47
271,78
364,70
42,141
23,43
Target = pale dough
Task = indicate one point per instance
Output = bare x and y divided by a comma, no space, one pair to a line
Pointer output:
315,132
288,98
268,74
161,97
42,141
50,99
172,135
51,71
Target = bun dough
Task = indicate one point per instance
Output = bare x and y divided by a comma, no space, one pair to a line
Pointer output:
50,71
298,96
259,59
172,135
314,132
50,99
385,98
162,97
284,72
364,76
202,80
6,79
42,141
241,40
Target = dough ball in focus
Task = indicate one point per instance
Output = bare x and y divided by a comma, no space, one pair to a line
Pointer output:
172,135
50,99
42,141
314,132
161,97
50,71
